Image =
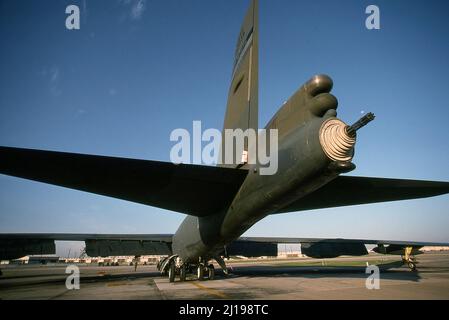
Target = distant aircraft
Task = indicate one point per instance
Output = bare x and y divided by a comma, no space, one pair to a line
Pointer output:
223,202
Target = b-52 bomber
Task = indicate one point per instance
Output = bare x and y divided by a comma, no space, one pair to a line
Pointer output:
222,202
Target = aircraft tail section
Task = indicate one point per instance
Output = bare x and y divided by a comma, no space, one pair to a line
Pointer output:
242,106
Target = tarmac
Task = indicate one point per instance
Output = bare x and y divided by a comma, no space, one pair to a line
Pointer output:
290,279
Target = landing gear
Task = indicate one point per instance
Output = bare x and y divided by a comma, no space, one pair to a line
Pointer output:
172,271
412,266
222,265
409,259
211,272
173,266
182,273
201,269
200,272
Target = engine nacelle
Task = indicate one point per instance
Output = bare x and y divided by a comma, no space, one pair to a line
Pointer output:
332,249
17,248
105,248
251,249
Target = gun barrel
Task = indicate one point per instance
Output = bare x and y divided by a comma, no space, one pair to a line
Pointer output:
363,121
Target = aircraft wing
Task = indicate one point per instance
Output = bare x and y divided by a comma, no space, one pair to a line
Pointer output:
347,191
290,240
16,245
191,189
332,248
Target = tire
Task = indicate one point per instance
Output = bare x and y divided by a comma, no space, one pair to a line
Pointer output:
412,266
171,272
182,273
211,272
200,272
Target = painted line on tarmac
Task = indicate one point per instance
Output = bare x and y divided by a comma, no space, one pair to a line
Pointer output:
210,290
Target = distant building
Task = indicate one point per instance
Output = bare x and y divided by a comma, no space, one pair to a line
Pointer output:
289,254
114,260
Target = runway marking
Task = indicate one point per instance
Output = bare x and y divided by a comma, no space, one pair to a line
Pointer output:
210,290
117,284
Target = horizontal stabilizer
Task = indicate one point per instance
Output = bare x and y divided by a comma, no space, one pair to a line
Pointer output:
191,189
348,191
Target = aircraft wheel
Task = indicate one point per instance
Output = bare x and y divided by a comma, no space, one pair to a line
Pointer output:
211,271
412,266
182,273
200,272
171,272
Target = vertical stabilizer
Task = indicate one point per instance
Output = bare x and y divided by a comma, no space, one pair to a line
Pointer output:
242,107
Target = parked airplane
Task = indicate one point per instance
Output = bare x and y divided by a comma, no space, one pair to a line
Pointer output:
223,202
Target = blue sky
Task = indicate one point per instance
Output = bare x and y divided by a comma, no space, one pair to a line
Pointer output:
136,70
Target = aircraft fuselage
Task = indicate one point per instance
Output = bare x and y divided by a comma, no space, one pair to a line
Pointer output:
303,168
